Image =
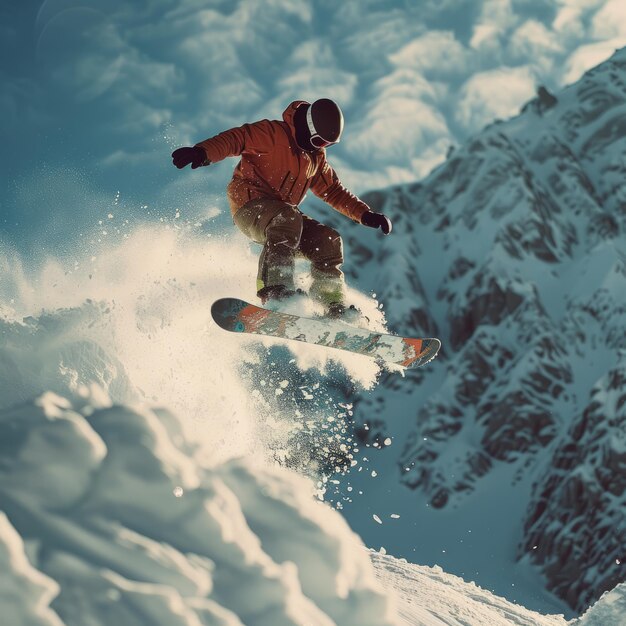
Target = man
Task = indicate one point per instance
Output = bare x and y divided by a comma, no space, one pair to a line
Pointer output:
280,162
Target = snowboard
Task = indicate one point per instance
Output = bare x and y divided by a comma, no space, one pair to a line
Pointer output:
238,316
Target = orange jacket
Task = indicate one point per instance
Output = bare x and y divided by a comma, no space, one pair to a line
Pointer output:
273,166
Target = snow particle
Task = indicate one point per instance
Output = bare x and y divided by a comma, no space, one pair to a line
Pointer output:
387,441
178,492
377,519
394,516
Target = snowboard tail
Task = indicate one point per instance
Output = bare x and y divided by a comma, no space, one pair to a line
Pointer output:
239,316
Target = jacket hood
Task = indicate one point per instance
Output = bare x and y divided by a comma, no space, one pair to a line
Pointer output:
290,111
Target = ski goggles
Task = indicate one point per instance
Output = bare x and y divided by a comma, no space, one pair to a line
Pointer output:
317,141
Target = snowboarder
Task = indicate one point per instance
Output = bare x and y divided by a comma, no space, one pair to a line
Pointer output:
280,162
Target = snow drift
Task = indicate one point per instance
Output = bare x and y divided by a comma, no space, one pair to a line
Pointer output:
126,528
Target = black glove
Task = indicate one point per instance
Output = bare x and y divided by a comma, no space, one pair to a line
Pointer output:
183,156
376,220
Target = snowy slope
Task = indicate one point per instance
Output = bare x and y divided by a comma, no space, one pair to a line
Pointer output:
512,252
610,609
429,597
121,526
109,517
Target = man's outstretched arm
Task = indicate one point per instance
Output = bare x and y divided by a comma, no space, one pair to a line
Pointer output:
228,143
328,187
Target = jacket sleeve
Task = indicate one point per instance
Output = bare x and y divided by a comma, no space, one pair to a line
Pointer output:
235,141
327,186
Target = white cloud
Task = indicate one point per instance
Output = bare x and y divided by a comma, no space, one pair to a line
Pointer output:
312,72
80,50
568,23
532,41
138,118
368,37
210,42
496,19
301,9
210,47
610,21
402,120
407,75
87,56
493,94
586,57
429,158
589,32
486,36
572,16
397,129
436,53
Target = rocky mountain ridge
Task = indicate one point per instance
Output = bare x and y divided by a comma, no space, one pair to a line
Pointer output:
513,252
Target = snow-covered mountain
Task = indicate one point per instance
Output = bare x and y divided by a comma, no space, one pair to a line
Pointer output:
513,252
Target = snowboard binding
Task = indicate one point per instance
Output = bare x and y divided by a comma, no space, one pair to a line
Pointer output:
339,311
278,292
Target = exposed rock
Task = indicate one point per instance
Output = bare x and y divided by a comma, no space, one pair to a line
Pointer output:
512,252
575,525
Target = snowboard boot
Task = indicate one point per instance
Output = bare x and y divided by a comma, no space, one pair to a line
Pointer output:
278,292
339,311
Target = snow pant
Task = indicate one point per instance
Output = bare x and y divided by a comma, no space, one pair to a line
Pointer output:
286,233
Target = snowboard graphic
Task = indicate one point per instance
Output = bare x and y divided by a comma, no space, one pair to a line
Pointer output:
239,316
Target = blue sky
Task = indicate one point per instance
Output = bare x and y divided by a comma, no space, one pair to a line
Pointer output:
96,95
